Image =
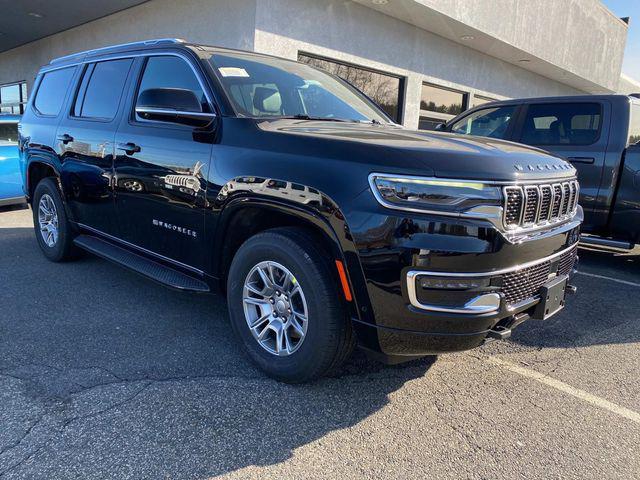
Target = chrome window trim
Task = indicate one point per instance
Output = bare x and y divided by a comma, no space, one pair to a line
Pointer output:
123,55
175,112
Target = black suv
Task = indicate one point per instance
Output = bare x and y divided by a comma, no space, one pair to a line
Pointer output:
325,223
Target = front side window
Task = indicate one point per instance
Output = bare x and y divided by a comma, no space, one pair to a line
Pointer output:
562,124
171,72
52,91
267,87
488,122
101,89
8,133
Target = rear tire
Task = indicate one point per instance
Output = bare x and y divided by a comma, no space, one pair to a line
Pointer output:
310,348
52,227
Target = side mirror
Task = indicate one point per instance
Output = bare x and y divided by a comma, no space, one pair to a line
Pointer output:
441,127
174,105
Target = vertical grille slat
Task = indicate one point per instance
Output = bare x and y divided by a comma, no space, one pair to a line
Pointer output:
532,205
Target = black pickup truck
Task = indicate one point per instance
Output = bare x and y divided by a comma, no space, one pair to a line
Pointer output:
598,134
325,223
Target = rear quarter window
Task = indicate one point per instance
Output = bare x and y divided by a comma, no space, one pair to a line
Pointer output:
52,91
562,124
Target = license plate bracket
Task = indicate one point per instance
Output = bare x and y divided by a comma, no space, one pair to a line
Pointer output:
552,296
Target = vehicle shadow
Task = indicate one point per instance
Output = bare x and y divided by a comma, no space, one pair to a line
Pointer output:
142,381
604,311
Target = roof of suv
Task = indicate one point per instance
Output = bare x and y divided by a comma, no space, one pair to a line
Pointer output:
561,99
141,45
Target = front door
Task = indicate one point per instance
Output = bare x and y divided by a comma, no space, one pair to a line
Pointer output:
160,169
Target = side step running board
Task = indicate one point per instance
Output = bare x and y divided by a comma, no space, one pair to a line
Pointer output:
605,242
142,265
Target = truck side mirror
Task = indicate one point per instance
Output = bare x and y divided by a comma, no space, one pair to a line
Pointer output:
173,105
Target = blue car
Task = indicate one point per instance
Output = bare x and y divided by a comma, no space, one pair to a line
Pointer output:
10,177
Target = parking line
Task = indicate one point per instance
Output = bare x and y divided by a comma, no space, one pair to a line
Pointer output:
624,282
566,388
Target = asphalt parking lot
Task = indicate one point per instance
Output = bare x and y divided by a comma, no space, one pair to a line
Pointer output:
106,375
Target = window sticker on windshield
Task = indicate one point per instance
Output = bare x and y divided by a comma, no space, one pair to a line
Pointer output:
233,72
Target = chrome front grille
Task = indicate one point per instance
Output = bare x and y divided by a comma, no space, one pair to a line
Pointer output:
524,284
533,205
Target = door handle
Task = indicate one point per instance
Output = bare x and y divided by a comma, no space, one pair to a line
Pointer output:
581,159
129,148
65,138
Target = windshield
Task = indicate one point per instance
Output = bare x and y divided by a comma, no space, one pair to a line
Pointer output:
265,87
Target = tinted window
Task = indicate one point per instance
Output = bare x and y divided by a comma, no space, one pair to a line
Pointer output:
8,133
171,72
384,89
52,91
634,124
562,124
488,122
101,88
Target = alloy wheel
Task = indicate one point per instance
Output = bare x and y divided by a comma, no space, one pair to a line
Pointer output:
48,220
275,308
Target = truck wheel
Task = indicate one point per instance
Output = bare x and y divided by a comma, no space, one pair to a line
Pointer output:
52,227
285,306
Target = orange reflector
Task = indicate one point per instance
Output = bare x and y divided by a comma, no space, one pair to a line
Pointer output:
343,281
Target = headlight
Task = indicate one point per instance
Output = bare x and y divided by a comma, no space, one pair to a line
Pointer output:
423,194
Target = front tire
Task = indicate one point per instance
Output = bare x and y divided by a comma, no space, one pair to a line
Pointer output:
285,306
52,227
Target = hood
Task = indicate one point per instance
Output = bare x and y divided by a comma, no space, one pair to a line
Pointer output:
392,149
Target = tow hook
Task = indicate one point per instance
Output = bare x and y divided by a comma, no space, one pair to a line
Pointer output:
571,289
499,332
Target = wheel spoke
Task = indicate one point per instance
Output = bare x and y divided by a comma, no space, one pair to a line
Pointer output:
259,321
279,340
254,290
256,301
268,284
296,326
287,340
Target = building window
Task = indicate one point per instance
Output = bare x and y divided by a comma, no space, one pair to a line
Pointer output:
439,104
480,100
634,124
13,98
384,89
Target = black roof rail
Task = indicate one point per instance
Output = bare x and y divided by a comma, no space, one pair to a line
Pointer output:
142,43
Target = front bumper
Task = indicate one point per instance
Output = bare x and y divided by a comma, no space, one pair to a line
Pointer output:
411,321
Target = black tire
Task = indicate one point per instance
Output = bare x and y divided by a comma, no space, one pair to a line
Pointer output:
329,338
63,248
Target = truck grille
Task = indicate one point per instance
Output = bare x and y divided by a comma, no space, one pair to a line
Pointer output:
533,205
523,284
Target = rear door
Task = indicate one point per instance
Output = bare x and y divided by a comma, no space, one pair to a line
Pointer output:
160,168
85,138
578,132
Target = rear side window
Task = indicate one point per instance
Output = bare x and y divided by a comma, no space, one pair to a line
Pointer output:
488,122
562,124
101,88
52,91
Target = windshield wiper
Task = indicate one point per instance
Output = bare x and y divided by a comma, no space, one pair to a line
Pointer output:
304,116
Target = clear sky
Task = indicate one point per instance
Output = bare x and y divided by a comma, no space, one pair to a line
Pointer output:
629,8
